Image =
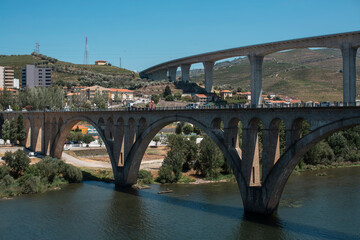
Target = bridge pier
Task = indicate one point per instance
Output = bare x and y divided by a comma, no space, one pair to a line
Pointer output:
185,72
349,73
250,155
208,69
256,62
172,73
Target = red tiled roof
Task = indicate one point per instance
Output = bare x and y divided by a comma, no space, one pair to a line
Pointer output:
120,90
201,95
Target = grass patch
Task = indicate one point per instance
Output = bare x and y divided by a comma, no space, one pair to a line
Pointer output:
97,174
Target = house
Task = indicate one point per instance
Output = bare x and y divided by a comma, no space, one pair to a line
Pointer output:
89,92
245,95
202,98
119,94
83,129
225,94
100,62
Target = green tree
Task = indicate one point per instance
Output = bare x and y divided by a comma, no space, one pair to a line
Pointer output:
155,98
191,154
75,136
100,99
21,133
177,95
5,131
179,128
87,138
100,141
13,131
169,98
18,162
167,91
196,130
156,140
187,129
210,159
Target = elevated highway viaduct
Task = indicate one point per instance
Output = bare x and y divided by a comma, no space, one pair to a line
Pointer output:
348,43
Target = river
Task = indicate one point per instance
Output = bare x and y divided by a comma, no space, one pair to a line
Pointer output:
312,207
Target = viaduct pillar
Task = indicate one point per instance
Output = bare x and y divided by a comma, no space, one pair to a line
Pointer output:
256,78
349,73
208,69
172,73
185,72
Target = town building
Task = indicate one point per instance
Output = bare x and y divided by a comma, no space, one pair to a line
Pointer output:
89,92
202,98
16,83
225,94
6,77
100,62
35,77
119,94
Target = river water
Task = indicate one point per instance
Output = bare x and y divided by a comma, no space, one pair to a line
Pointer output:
312,207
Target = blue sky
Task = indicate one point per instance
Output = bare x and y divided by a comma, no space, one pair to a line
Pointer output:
147,32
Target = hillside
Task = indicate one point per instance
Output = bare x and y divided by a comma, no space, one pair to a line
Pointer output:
107,76
309,74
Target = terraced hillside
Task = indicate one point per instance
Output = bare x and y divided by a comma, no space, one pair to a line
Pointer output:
309,74
107,76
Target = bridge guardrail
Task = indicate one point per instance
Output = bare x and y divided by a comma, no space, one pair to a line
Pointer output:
204,107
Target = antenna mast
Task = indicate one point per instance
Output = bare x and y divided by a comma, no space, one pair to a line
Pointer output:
86,56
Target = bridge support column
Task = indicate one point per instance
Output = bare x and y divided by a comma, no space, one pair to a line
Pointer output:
271,150
208,69
185,72
349,73
47,138
256,78
250,156
172,73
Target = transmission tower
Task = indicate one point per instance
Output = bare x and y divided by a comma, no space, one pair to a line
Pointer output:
37,49
86,55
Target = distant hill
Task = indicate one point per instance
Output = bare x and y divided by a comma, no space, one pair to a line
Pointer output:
309,74
107,76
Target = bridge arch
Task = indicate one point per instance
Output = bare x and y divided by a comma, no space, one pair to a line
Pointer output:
64,130
132,162
280,173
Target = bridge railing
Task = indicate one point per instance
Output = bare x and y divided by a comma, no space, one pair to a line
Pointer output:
207,107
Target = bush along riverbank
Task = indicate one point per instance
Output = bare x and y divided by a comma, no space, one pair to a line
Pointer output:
18,177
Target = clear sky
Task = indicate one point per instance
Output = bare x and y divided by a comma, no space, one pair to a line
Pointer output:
147,32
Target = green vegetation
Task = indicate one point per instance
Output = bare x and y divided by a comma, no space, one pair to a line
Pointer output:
18,177
103,175
185,154
145,177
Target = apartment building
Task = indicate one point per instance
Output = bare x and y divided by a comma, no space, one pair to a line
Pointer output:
6,77
35,77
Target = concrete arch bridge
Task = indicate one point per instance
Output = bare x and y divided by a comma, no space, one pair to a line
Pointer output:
126,135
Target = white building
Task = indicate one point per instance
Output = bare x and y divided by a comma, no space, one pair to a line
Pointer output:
6,77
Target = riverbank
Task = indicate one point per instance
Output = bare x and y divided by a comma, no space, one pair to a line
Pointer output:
106,175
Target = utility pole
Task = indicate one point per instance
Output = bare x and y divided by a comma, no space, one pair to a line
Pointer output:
120,62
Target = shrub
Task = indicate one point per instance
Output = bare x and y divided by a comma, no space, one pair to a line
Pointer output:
145,177
18,162
47,168
72,174
169,98
30,184
7,181
4,170
165,174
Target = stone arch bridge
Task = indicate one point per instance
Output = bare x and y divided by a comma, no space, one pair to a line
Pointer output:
126,135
